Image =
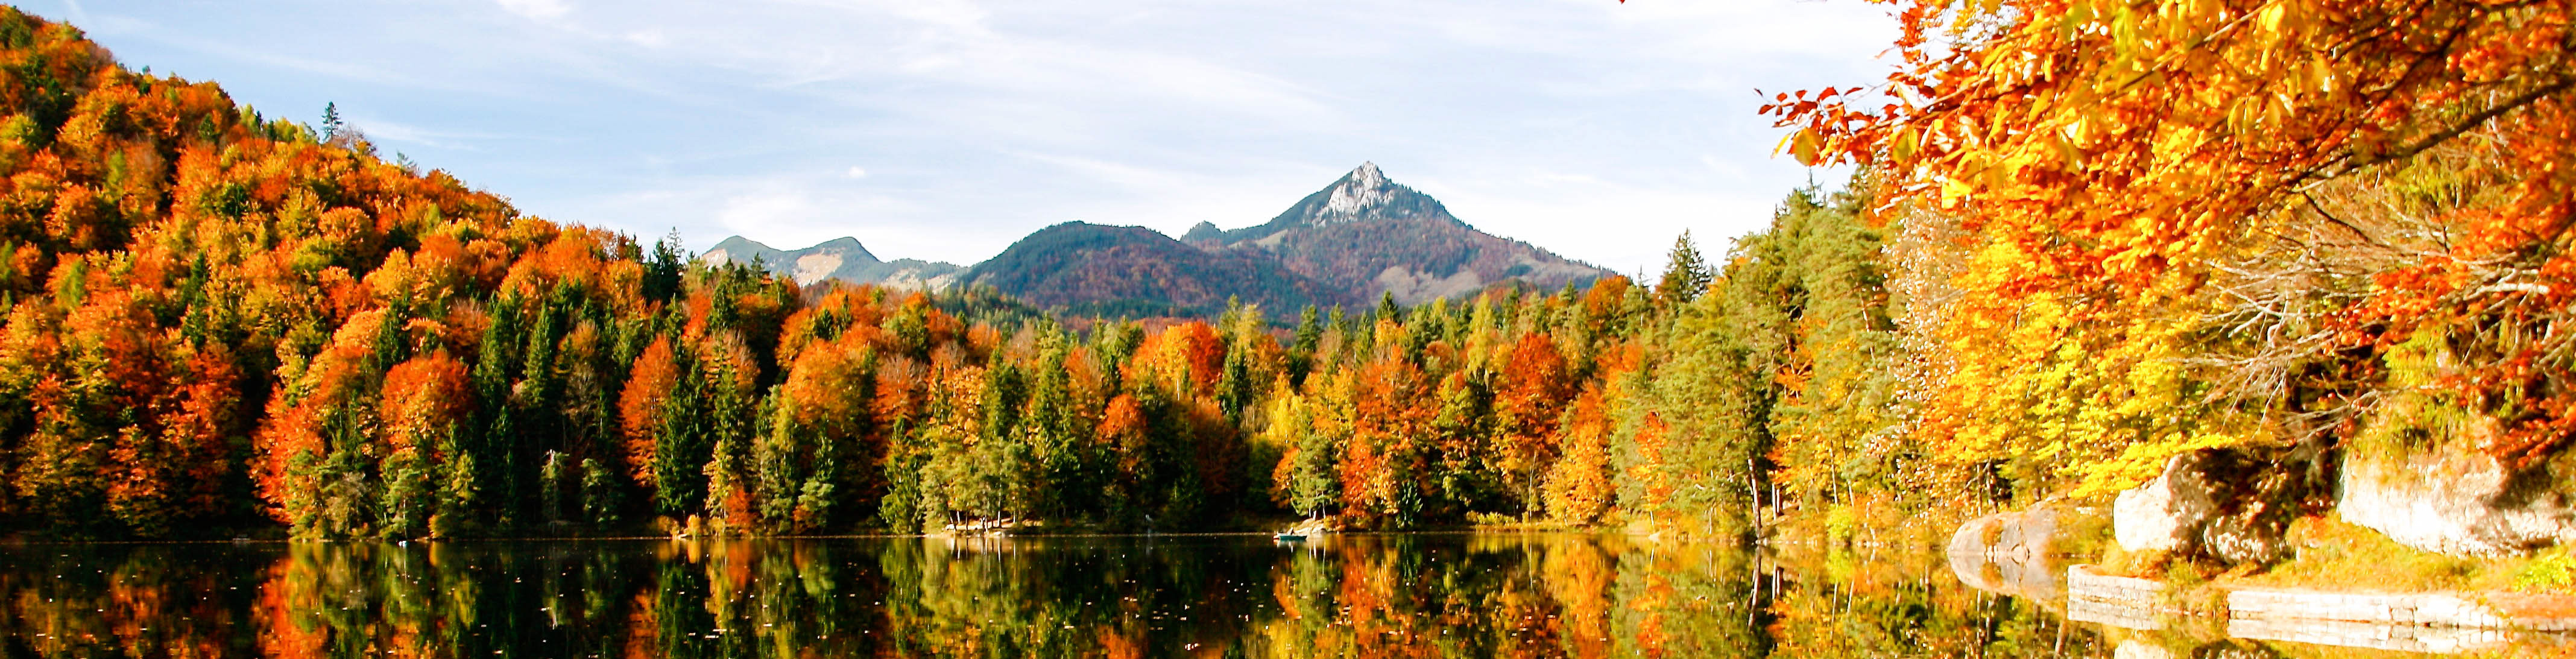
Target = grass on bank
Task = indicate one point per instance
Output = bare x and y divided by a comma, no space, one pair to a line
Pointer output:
2328,553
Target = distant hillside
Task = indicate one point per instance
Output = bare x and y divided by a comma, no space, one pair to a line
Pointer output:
839,258
1105,270
1347,244
1365,235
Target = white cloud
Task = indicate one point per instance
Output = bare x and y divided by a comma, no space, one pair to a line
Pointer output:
536,9
766,212
1624,229
1592,128
383,131
1130,177
954,14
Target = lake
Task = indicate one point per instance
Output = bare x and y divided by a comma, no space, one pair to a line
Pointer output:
1407,595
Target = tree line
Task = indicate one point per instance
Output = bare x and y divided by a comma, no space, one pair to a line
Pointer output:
221,321
2083,240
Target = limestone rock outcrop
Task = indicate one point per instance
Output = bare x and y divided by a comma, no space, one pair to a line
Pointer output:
2462,503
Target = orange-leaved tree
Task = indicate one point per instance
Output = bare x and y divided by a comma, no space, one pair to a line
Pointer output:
1534,389
2162,203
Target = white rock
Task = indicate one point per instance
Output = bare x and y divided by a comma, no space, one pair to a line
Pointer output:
2457,502
2165,514
2212,503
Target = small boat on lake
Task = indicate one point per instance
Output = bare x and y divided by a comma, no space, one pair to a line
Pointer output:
1288,537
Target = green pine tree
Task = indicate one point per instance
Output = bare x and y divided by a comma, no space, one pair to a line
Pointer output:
1686,275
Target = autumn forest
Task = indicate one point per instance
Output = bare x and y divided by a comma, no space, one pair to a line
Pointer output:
2083,238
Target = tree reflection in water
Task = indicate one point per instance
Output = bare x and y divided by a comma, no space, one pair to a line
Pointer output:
1421,595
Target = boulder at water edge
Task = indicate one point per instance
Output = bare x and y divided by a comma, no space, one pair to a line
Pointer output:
2213,503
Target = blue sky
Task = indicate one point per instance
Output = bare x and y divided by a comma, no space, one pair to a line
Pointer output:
945,129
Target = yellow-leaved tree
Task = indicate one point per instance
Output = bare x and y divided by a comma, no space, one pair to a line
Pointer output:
2206,223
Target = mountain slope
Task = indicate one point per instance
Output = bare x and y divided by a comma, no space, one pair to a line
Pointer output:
1361,237
840,258
1365,235
1107,270
1363,195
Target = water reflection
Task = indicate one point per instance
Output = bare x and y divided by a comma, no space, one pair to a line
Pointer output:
1233,596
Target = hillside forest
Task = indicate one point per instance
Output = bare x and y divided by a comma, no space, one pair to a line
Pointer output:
2085,237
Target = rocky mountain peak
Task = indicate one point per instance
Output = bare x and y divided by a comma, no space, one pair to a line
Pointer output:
1356,196
1363,195
1367,175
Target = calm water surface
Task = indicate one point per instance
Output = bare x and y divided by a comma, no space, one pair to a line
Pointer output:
1432,595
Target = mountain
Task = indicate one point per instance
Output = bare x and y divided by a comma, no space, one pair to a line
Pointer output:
1363,195
839,258
1347,244
1094,269
1365,235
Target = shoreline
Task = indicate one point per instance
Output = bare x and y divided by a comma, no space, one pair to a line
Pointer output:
2117,600
840,536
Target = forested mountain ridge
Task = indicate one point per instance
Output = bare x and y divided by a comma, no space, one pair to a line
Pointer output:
1106,271
839,258
1361,238
222,323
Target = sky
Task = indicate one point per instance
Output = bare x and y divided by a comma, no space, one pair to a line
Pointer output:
946,129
